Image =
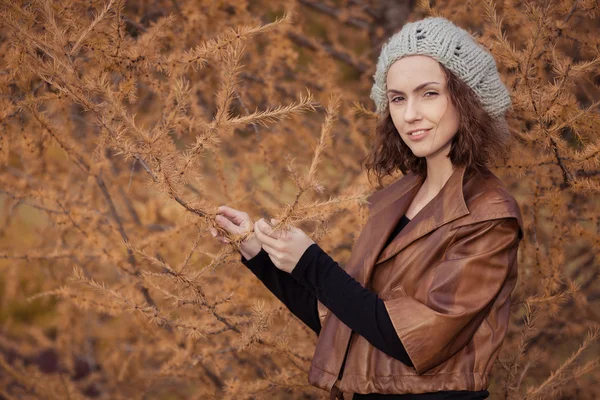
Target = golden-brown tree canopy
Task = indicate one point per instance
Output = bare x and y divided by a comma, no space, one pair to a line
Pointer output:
124,124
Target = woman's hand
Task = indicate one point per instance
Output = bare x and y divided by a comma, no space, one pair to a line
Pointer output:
284,247
237,222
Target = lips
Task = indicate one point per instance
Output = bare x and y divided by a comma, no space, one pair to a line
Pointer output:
420,135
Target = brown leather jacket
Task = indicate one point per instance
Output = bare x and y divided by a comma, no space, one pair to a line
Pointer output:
446,281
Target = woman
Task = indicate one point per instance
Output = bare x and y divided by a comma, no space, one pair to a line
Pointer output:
422,307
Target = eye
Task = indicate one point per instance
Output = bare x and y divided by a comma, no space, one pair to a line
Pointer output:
431,93
393,100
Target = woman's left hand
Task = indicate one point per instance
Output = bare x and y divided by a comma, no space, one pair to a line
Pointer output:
284,247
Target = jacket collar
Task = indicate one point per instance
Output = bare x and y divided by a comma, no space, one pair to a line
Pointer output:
389,205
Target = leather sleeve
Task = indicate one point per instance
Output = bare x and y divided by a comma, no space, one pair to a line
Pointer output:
453,299
322,311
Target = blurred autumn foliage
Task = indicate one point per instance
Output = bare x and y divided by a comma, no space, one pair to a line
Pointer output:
124,124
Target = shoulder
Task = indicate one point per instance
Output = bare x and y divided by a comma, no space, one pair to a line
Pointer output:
488,200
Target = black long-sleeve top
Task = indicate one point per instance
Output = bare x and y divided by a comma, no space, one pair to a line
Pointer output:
318,277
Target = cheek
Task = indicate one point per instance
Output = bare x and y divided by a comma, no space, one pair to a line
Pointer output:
396,118
453,118
445,115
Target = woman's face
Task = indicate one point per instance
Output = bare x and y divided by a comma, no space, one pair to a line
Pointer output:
418,100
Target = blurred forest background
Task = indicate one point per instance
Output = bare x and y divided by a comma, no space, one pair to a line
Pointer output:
124,124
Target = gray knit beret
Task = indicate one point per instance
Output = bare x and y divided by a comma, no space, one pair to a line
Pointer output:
451,46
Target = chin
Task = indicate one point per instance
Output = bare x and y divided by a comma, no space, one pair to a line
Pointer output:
420,153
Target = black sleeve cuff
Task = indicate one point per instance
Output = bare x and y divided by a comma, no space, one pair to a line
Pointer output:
306,260
258,260
298,299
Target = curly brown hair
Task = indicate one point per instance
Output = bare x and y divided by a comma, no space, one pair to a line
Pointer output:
479,138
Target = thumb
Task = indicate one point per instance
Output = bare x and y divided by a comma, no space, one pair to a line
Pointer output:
282,233
264,226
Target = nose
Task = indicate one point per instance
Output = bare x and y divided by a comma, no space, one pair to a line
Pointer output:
412,111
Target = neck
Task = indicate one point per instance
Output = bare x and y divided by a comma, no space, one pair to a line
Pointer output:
439,171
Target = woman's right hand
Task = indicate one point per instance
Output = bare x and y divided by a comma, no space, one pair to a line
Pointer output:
237,222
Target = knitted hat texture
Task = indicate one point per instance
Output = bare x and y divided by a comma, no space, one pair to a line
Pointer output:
452,47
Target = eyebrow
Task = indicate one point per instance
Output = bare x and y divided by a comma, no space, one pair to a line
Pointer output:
421,86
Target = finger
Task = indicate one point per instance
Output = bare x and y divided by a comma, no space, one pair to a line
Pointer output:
269,231
277,234
228,225
232,214
264,238
282,233
265,228
215,233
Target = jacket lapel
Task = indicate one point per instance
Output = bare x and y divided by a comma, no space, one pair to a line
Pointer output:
448,205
